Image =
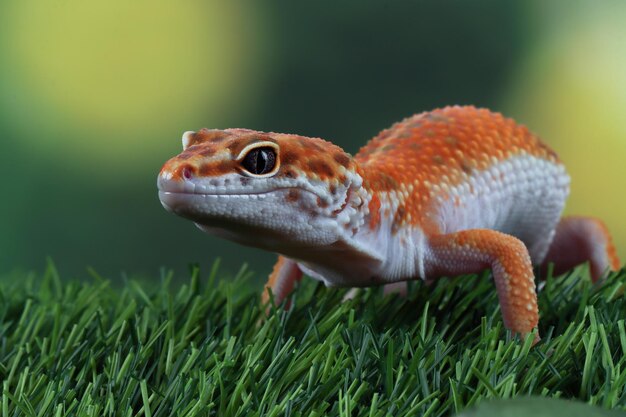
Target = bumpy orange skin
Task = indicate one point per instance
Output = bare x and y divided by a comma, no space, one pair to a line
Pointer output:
440,148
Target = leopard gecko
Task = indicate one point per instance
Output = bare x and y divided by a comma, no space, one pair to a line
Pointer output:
452,191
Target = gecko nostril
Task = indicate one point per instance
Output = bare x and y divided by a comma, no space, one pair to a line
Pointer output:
187,173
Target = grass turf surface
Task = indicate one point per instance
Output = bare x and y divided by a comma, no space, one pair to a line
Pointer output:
158,349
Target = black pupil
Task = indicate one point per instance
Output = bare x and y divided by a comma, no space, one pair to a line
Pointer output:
260,160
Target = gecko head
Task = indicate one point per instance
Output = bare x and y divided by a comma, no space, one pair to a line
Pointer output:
268,190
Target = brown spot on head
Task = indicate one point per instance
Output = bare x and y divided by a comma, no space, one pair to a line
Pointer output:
218,138
237,145
438,159
320,168
216,168
206,170
288,157
342,159
309,143
224,166
206,135
289,173
186,155
321,203
451,140
207,151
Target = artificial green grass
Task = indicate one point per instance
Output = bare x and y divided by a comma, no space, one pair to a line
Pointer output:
198,349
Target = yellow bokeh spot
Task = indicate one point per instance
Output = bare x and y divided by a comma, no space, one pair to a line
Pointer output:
572,93
111,78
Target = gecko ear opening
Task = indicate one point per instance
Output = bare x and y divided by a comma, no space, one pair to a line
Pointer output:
188,138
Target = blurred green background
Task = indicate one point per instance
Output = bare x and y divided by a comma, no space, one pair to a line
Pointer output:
94,96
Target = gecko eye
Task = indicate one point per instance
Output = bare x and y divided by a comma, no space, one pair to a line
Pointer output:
260,161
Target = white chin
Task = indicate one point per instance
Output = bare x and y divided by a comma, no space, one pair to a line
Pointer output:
173,202
166,200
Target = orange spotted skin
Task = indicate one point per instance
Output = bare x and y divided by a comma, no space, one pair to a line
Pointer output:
453,191
444,146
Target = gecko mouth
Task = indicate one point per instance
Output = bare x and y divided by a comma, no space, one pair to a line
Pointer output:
190,188
235,193
231,193
176,200
186,197
194,202
190,204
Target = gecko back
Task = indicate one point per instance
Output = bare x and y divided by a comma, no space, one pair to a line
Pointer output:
461,168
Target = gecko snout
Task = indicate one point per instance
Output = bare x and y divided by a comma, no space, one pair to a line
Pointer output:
182,172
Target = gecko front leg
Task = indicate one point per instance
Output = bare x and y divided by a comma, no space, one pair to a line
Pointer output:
474,250
282,280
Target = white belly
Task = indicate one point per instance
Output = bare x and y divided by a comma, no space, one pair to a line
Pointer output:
523,196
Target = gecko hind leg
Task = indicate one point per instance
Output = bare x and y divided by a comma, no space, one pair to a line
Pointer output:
472,251
579,239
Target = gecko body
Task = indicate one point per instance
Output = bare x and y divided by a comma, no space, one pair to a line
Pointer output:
451,191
